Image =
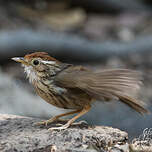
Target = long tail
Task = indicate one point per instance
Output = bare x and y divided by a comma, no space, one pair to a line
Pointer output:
121,84
133,103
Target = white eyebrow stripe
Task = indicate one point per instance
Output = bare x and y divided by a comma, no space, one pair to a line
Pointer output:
48,62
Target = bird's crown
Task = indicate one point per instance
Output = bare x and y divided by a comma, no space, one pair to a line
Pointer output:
43,55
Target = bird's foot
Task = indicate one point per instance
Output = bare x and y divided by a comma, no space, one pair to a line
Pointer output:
62,127
80,122
46,122
63,120
67,125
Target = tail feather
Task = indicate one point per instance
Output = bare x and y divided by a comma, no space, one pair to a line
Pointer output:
118,84
133,103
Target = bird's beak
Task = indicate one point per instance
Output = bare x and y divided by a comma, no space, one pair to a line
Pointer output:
20,59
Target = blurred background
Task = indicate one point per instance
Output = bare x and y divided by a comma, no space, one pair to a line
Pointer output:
95,33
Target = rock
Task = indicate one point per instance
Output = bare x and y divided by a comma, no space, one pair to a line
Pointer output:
143,143
18,133
141,146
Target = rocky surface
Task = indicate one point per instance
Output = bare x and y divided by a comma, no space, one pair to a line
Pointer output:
143,143
141,146
19,133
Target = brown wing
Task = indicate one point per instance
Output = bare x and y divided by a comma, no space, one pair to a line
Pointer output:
119,84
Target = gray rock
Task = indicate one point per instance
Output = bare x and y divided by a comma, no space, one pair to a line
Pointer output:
143,143
141,146
19,133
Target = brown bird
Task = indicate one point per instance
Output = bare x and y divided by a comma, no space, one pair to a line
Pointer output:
76,87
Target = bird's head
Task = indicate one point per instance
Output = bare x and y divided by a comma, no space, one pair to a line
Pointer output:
39,64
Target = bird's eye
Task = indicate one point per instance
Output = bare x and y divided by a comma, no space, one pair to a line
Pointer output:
36,62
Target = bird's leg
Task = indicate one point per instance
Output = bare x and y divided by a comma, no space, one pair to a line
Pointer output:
55,118
82,112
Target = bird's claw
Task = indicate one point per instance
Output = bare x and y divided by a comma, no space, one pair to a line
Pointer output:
62,127
42,123
58,124
46,122
59,128
80,122
63,120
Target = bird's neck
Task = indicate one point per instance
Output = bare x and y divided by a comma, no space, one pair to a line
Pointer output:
34,76
31,74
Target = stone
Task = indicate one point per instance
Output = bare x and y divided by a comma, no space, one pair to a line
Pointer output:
20,134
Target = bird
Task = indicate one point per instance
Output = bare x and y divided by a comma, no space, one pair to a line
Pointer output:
76,87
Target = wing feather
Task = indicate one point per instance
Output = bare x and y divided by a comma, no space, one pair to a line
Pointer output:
122,84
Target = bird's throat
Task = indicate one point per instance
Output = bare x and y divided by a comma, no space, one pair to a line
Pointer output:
31,75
